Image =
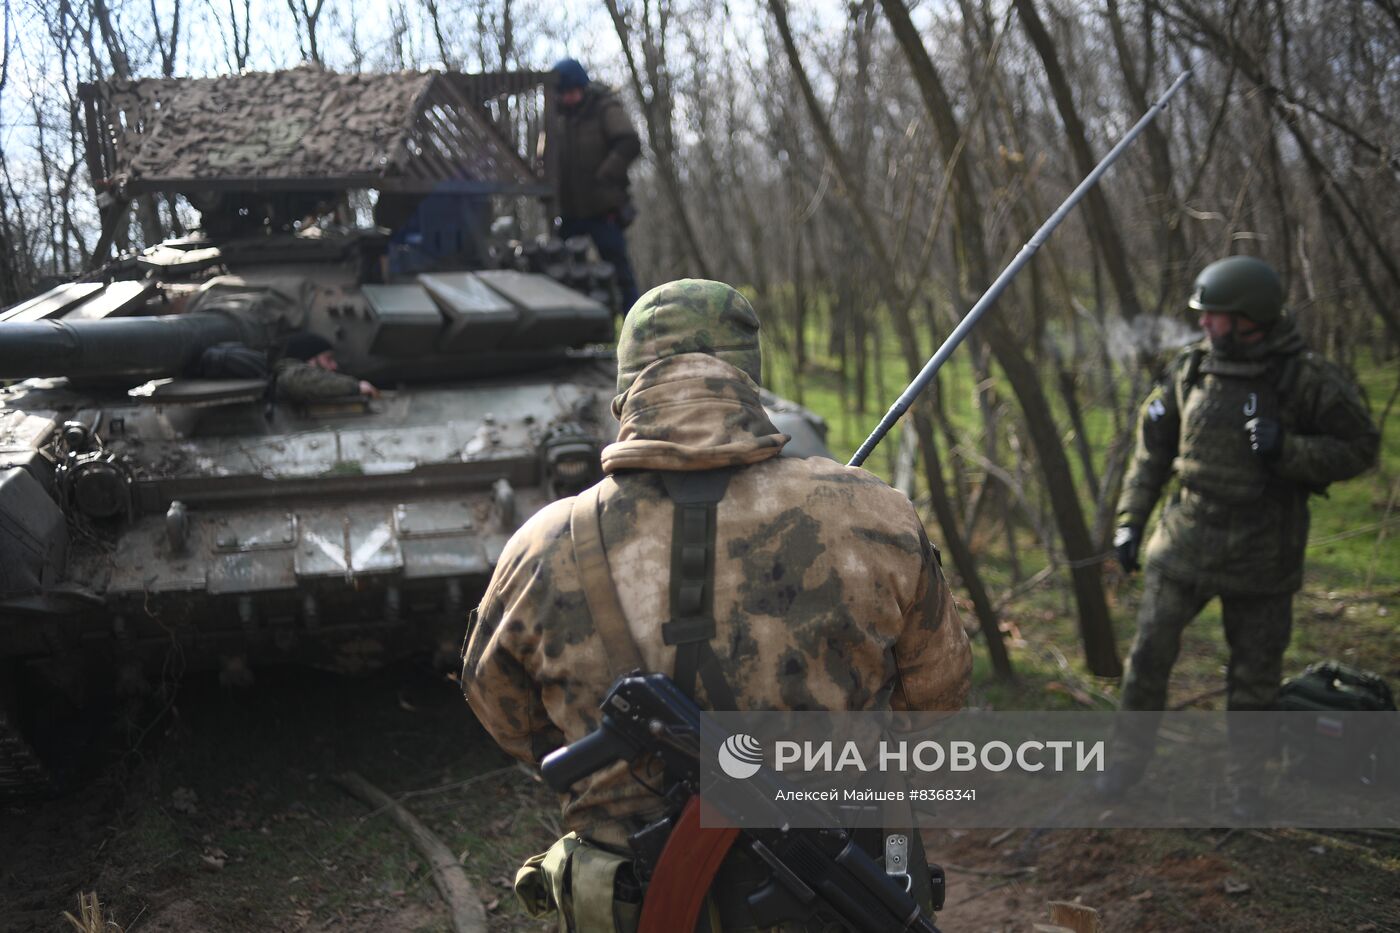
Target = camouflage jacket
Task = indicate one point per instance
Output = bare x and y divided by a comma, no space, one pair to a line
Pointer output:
301,382
828,593
596,145
1235,523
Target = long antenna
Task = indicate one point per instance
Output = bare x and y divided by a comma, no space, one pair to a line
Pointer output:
968,322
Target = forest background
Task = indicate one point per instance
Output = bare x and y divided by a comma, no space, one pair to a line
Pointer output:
863,170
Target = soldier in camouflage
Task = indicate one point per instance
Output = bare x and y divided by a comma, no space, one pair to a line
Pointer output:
827,592
1251,425
308,372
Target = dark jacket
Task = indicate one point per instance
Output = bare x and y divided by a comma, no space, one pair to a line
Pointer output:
597,145
1235,523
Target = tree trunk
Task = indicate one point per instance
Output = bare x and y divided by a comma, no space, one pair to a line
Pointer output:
1095,624
1107,238
1331,198
1171,238
656,111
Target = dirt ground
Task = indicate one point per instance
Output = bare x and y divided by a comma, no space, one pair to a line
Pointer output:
226,817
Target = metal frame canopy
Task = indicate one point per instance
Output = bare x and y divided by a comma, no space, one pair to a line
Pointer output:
306,129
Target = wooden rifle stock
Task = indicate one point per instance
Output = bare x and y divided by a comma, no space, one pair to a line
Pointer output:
684,872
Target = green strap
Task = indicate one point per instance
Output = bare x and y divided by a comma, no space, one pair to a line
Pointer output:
594,875
696,496
597,581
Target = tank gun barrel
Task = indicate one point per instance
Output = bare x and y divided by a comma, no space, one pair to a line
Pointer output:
151,347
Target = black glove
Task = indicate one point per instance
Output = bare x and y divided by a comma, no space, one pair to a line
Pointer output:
1126,541
1265,438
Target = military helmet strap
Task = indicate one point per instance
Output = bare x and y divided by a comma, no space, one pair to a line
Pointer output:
1193,369
696,495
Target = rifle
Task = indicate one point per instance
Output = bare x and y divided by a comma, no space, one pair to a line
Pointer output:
814,871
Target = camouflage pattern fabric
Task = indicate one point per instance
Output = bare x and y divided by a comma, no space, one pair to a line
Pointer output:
687,316
302,382
828,592
1256,627
1237,525
301,123
597,143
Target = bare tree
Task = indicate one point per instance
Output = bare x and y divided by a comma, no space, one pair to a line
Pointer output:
898,307
12,285
167,43
307,16
652,85
1342,212
434,12
1095,624
1106,236
1171,235
236,30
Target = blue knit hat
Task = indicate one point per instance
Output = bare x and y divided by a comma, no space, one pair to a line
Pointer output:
570,74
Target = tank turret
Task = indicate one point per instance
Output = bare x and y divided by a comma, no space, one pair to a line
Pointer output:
425,328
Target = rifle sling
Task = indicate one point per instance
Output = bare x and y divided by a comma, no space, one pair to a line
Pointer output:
597,581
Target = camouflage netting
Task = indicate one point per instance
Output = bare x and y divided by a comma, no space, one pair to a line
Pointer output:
401,130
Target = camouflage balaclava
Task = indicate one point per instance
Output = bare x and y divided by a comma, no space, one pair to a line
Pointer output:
687,316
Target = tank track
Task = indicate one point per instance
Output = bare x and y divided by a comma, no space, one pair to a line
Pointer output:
21,771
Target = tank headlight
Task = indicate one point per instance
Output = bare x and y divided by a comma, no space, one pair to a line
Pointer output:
571,464
99,489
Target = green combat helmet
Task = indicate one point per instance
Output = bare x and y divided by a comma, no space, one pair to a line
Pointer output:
1239,285
687,316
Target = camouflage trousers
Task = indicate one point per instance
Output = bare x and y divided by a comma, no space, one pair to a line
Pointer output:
1257,629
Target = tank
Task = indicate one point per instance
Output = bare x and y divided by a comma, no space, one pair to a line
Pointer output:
157,516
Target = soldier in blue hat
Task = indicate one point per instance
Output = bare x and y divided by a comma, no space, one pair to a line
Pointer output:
598,143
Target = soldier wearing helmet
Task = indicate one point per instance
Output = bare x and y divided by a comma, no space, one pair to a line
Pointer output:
820,588
1250,424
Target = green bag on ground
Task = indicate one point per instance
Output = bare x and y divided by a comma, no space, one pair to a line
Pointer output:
1324,746
1332,686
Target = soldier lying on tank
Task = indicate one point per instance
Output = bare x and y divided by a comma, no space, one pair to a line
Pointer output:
824,591
1251,424
308,372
